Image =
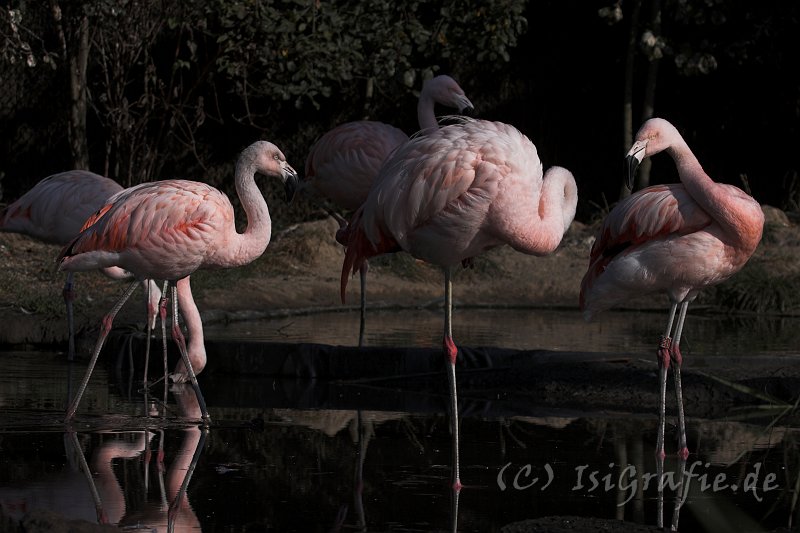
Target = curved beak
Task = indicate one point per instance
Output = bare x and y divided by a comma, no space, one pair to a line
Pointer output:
290,181
465,107
632,161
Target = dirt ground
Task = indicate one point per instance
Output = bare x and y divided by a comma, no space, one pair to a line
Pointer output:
300,272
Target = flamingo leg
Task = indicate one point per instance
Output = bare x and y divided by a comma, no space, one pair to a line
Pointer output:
363,275
149,332
69,296
108,320
451,353
677,360
162,307
663,355
177,334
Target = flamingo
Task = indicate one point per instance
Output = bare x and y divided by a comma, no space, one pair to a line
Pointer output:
168,229
343,163
452,194
54,211
678,239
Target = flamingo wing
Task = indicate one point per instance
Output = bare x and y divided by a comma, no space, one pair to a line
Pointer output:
343,163
436,188
55,208
457,168
653,213
169,222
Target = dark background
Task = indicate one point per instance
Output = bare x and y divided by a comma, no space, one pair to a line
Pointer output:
199,83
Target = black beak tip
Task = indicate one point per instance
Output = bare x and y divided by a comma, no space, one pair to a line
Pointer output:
468,111
290,188
631,164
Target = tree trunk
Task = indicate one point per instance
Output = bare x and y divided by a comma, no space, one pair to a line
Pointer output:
648,103
627,104
77,57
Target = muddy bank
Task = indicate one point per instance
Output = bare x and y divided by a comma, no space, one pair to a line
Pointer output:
300,272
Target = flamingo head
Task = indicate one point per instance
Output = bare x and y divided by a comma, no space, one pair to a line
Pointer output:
655,135
270,161
446,91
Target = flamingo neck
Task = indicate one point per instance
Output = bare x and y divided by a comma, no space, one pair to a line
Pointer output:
539,232
739,216
194,326
425,112
250,244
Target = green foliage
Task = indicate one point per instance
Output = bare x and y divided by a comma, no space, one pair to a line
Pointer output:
176,88
302,52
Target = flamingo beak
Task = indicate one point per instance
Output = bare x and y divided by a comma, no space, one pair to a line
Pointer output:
632,161
290,182
465,107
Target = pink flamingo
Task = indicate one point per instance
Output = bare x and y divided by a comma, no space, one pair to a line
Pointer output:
676,239
343,163
54,211
454,193
168,229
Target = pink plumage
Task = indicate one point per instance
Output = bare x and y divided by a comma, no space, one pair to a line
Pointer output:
343,163
456,192
54,210
677,238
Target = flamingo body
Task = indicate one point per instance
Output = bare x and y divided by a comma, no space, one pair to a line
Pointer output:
456,192
677,239
343,163
169,228
54,210
660,239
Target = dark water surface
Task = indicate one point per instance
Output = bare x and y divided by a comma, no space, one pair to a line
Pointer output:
305,455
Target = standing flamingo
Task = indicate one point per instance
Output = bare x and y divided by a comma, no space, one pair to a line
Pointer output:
54,211
677,239
168,229
343,163
452,194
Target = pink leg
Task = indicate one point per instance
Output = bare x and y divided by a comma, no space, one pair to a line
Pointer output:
663,357
677,360
451,353
108,320
150,312
162,308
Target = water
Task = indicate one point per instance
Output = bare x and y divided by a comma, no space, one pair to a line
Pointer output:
304,455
